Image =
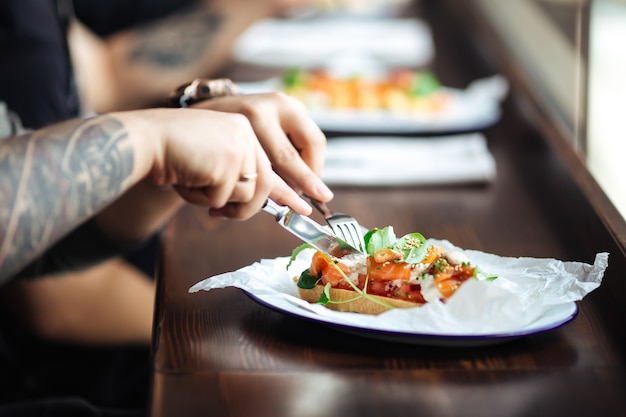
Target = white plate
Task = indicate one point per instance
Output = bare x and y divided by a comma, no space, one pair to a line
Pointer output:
471,109
553,318
530,296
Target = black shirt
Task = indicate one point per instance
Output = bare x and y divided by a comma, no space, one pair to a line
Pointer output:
36,78
105,17
36,82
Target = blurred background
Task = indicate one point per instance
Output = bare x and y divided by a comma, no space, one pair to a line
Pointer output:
571,49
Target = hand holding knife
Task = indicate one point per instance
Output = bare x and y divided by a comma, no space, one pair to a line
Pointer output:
308,230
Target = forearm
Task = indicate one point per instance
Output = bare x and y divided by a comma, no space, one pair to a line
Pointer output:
146,63
140,212
56,178
53,180
111,303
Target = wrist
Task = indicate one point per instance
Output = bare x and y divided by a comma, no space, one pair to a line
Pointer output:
147,137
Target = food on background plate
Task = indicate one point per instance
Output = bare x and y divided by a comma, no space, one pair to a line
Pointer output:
394,273
401,90
362,6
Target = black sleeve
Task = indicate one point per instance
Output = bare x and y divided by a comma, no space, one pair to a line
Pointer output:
35,69
84,247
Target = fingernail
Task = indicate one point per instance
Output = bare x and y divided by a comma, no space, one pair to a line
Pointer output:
306,207
323,190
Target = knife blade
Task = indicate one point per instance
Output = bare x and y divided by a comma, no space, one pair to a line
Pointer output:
309,230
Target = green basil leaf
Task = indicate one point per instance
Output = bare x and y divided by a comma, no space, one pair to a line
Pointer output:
415,255
380,239
306,280
368,236
413,246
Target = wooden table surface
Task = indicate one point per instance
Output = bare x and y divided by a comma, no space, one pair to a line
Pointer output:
219,353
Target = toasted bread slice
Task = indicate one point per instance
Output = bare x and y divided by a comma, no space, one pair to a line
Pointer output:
351,301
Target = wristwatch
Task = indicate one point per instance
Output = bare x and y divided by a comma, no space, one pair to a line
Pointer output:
201,89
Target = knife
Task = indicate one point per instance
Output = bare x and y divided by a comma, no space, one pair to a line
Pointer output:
308,230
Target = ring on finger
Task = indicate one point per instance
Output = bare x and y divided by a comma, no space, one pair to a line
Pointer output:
248,177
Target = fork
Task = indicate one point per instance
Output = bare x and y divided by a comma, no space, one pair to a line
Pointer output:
343,225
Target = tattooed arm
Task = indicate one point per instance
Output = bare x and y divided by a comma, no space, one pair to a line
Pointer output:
138,67
53,180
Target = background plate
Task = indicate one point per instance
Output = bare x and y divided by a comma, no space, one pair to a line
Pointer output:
472,109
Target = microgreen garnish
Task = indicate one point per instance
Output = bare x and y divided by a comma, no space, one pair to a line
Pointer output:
440,264
296,251
325,296
482,275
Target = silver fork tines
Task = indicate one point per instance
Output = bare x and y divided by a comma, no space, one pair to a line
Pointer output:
343,225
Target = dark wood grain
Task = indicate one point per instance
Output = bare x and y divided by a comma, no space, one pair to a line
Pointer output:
219,353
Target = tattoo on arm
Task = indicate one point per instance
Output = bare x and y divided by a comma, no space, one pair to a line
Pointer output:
54,179
178,41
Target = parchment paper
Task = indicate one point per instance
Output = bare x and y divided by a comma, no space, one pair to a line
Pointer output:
527,291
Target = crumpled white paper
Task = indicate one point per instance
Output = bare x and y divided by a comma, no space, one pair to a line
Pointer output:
528,292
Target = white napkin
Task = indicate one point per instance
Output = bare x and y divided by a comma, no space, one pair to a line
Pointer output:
528,292
313,42
389,161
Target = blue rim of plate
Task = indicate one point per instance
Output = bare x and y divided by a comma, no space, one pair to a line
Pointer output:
430,339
